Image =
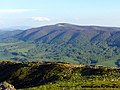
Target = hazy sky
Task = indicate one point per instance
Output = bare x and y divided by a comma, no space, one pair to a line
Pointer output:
43,12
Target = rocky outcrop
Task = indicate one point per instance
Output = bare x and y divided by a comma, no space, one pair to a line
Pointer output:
6,86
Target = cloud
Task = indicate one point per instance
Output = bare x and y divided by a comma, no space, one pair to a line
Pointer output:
14,10
40,18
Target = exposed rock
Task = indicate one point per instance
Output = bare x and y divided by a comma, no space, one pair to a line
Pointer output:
6,86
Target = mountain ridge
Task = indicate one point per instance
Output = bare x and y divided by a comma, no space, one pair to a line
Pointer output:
65,27
63,42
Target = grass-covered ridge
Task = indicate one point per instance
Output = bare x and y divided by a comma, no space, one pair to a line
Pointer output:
58,75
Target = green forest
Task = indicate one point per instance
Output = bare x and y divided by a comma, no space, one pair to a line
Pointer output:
88,45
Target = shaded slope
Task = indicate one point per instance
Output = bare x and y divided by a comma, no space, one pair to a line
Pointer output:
31,74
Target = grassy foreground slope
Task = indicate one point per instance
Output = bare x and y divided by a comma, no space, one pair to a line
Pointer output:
58,76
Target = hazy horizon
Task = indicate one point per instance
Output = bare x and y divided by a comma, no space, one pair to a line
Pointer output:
39,13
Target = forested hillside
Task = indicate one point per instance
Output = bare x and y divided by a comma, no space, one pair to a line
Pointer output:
63,42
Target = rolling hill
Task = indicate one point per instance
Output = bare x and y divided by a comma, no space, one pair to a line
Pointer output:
63,42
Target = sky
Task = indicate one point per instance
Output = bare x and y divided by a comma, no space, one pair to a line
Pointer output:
36,13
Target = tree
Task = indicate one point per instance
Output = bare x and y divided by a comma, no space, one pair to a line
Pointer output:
118,62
